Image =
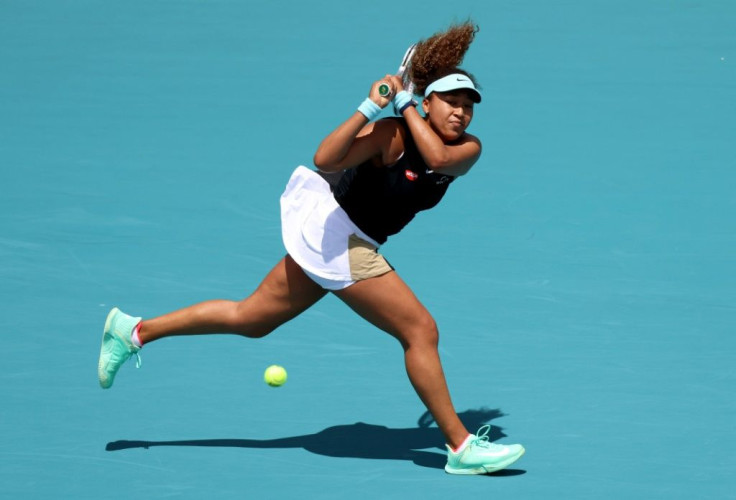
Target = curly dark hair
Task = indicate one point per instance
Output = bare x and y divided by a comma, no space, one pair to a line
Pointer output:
441,54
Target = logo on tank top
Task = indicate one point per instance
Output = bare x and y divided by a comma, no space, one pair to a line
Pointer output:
411,175
443,179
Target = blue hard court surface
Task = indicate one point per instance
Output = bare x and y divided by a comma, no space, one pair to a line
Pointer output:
582,275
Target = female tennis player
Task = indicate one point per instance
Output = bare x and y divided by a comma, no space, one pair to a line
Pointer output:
381,174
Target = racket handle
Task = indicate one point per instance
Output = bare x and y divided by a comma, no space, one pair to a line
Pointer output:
384,90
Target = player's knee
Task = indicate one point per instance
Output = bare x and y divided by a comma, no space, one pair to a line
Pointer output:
258,331
253,330
422,333
248,320
252,327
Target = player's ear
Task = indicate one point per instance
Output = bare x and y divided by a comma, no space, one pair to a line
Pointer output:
425,105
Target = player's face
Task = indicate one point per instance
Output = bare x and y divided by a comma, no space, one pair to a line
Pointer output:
449,113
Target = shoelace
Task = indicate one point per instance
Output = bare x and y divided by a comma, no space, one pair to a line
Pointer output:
482,440
131,350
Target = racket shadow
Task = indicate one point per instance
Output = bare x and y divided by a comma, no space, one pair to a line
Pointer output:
358,440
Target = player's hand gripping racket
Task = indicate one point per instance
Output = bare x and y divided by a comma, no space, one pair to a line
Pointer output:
403,72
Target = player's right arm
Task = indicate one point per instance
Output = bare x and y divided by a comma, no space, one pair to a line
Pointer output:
355,140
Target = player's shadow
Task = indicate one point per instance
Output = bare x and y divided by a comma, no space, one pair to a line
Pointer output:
359,440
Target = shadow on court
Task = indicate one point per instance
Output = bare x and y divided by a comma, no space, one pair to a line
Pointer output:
359,440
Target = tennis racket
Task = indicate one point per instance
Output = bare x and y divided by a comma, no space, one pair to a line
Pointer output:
403,72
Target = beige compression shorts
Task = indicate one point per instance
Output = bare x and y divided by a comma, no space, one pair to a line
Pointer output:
321,238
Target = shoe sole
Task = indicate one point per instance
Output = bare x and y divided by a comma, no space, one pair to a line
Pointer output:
108,326
485,469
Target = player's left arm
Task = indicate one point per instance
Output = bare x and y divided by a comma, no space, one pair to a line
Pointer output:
452,159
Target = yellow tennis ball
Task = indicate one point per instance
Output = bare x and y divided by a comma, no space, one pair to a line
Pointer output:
275,376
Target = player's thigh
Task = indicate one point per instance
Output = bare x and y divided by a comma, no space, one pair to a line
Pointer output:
387,302
284,293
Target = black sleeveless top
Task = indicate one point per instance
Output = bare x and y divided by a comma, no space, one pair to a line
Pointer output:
382,200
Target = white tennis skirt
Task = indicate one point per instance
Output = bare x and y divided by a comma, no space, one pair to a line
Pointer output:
320,236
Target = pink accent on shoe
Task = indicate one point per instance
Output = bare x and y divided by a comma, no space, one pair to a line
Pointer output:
463,444
134,337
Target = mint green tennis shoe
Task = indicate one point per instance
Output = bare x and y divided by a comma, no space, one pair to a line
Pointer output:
117,346
480,456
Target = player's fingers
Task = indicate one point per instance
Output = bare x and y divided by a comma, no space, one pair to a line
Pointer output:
397,83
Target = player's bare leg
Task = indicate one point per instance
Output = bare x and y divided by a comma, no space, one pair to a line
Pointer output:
388,303
283,294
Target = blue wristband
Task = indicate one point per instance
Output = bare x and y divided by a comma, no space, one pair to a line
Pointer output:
409,104
403,100
369,109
